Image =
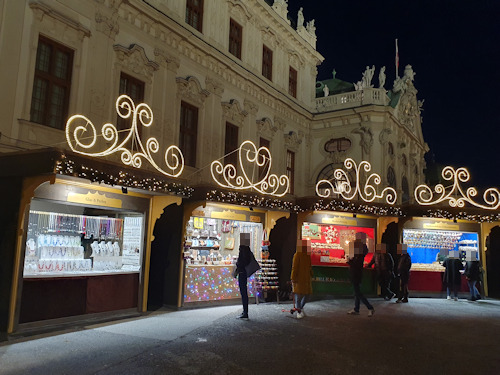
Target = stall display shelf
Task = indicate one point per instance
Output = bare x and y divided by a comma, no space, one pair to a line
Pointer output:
266,279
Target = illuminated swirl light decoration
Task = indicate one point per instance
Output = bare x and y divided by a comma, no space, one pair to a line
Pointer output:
342,184
81,135
250,162
454,194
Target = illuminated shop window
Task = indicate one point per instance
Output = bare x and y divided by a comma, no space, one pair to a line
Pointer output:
51,84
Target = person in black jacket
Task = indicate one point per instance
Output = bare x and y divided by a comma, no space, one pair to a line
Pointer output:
452,277
245,257
356,257
404,265
384,266
472,274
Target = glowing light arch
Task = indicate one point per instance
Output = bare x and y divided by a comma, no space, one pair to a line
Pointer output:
367,192
248,153
81,135
455,195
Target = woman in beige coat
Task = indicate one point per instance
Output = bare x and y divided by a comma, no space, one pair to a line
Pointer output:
301,275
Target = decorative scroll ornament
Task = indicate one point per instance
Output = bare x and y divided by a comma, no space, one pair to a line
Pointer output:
342,184
455,195
81,135
251,162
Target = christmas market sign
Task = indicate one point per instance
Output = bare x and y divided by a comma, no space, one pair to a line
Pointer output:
83,138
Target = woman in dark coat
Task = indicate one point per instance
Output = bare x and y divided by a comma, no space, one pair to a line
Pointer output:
472,274
452,277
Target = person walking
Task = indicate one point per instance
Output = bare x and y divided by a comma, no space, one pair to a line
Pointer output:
384,266
404,265
452,277
356,256
301,275
246,266
472,272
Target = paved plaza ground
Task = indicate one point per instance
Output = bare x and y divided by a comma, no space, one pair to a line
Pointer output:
425,336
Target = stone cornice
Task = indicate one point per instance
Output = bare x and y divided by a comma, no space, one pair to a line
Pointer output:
41,10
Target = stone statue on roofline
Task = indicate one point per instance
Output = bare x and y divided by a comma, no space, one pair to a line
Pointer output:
381,78
311,28
326,90
300,19
400,84
281,7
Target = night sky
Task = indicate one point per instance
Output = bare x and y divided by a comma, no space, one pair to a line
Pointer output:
454,48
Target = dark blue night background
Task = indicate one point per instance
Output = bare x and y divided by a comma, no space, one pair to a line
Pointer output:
453,46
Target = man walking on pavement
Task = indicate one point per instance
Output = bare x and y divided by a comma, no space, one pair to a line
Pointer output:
356,256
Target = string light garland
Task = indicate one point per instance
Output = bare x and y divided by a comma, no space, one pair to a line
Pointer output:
68,167
444,214
350,206
252,201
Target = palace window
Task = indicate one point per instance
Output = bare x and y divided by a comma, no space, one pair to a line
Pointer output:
292,82
194,14
231,145
290,168
267,63
135,89
391,177
235,38
390,149
52,83
188,135
262,170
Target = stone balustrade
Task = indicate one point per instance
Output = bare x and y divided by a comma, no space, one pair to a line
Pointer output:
352,99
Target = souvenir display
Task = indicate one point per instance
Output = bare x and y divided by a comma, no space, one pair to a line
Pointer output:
266,279
428,248
63,244
210,252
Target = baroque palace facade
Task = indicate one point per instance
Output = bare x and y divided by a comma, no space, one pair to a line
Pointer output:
116,232
215,73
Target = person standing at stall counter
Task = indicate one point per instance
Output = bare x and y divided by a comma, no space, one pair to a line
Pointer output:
355,260
246,266
452,277
301,275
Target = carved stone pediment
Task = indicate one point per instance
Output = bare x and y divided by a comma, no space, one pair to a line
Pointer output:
293,140
134,59
190,88
233,112
266,128
65,27
250,106
239,10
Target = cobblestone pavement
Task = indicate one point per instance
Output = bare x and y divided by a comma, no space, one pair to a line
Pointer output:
425,336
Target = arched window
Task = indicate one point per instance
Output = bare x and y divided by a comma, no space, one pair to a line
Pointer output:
391,177
327,173
338,145
390,149
406,190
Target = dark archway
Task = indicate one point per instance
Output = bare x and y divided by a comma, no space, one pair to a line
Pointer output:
165,258
283,239
493,262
